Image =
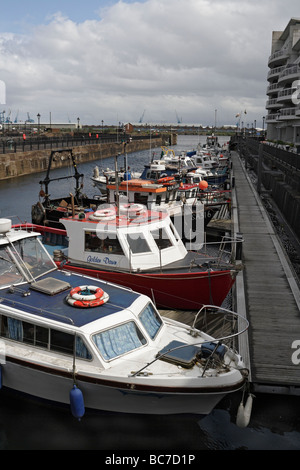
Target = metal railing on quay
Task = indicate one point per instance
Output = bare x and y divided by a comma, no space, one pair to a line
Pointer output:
18,144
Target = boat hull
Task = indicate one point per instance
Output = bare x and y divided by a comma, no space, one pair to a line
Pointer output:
184,291
110,395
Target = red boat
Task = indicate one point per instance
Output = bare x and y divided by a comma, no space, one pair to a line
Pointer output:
141,249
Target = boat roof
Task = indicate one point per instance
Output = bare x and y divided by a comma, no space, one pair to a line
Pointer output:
139,185
121,220
15,235
45,304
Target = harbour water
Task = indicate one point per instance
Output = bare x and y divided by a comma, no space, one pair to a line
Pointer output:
26,424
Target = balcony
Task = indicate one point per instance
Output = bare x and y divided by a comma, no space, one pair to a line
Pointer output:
274,73
285,95
278,58
273,104
289,74
272,118
274,88
287,113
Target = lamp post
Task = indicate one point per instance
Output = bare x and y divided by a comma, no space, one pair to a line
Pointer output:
263,125
39,117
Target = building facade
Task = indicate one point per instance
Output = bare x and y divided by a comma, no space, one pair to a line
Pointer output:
283,91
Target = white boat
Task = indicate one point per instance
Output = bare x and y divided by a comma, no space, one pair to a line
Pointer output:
181,162
205,159
90,344
158,188
108,176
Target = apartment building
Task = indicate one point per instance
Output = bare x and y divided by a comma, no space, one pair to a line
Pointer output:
283,104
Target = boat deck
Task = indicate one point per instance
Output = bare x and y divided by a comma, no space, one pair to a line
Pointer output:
267,292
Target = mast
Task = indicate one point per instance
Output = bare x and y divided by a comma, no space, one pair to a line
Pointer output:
47,178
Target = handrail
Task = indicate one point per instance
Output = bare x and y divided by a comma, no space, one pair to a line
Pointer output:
40,311
194,331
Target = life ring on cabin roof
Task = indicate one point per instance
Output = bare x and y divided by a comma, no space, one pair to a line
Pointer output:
133,210
103,214
87,296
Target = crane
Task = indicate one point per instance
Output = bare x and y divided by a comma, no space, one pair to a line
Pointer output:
142,116
29,119
7,120
16,118
179,120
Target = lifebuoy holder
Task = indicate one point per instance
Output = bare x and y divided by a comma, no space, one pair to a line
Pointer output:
87,296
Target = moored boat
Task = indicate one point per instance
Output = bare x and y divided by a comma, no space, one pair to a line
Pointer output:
91,344
48,210
143,249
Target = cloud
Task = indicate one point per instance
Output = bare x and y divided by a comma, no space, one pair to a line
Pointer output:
193,56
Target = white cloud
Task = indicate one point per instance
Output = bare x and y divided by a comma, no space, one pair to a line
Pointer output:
193,56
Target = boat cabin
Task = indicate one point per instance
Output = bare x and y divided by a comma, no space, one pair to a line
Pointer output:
37,312
136,239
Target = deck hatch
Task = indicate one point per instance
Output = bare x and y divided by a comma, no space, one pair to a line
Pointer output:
50,286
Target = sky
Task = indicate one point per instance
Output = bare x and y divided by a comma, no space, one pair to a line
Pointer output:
152,61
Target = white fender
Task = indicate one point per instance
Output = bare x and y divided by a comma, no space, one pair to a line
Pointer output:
244,412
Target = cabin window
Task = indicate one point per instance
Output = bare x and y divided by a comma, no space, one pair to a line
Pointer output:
61,342
150,320
158,199
36,335
141,199
109,244
119,340
9,273
161,238
174,232
138,243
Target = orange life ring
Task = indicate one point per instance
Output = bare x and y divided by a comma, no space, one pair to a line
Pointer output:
76,298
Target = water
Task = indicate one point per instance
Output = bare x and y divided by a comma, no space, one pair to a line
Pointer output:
26,424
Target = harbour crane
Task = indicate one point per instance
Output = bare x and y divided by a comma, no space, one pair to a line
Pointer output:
8,120
142,116
179,120
29,119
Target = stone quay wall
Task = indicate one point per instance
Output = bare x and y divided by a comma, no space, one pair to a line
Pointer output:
17,164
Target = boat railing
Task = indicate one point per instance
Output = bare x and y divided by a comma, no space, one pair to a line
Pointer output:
228,249
237,324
